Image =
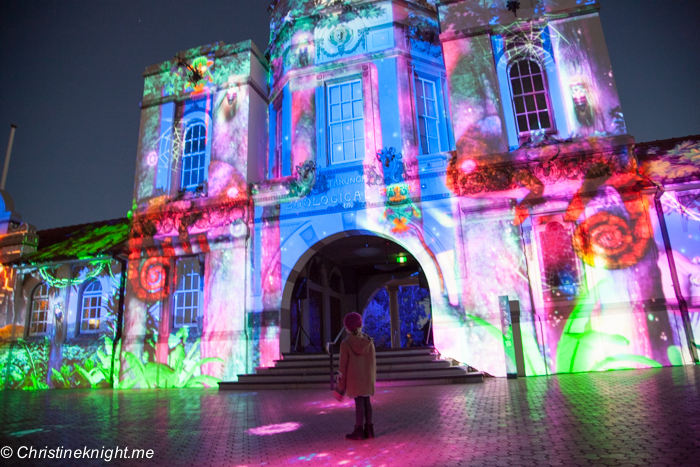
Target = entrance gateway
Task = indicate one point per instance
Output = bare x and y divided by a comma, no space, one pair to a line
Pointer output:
369,274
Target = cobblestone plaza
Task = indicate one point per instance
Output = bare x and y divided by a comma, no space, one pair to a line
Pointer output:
635,417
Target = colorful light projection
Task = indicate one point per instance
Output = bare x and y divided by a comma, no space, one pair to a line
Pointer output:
149,279
615,309
563,223
56,359
274,429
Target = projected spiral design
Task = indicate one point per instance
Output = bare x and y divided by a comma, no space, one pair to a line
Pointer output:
610,241
153,275
150,280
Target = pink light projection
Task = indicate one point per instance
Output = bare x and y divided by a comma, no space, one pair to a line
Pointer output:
468,166
274,429
152,158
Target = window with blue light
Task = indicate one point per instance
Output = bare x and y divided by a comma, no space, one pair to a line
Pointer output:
40,317
188,294
346,124
194,156
90,307
530,99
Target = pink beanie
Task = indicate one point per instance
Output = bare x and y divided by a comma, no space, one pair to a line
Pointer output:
353,321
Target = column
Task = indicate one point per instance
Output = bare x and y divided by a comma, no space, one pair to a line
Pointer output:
394,321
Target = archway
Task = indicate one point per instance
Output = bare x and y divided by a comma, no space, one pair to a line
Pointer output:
341,275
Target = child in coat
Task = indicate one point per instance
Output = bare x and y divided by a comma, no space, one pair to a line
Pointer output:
358,374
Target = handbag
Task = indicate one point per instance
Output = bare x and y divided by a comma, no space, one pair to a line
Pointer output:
337,393
339,396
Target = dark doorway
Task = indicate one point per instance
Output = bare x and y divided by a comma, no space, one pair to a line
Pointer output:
341,278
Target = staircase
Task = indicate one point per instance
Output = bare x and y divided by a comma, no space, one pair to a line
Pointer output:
395,367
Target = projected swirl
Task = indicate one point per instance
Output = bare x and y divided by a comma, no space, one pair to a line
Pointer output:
150,280
610,241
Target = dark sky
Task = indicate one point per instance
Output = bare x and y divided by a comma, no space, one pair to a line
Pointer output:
71,80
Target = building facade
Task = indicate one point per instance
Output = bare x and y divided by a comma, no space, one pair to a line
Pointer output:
476,151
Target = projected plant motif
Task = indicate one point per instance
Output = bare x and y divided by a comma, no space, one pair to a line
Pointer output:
676,164
582,348
180,371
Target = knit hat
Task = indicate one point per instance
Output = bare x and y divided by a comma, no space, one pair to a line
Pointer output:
353,321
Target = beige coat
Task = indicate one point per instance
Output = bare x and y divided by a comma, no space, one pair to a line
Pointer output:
358,366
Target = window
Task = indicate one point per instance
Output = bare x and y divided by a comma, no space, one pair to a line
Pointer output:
194,156
90,307
276,162
346,122
188,294
427,114
40,317
561,270
529,97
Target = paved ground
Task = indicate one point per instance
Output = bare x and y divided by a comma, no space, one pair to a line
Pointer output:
636,417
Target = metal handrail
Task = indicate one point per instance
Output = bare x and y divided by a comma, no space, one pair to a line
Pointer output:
329,350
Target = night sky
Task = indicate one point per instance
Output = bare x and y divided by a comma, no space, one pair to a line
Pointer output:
71,81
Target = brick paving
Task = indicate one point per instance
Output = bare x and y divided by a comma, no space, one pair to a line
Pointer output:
635,417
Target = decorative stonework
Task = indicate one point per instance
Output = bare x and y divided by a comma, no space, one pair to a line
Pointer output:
345,35
181,219
467,178
287,189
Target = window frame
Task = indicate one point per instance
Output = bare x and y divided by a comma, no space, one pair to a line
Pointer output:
189,113
444,137
329,85
201,153
177,292
49,318
546,91
98,308
275,169
553,294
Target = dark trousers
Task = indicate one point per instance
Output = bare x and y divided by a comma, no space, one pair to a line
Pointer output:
363,410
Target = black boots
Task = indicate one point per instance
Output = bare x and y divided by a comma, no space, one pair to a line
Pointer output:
357,433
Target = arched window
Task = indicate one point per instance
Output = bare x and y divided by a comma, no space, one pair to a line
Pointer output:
187,298
194,156
530,100
40,317
91,307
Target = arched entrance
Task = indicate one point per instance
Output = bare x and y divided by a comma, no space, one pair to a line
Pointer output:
337,277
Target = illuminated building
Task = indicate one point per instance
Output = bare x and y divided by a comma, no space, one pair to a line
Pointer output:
485,147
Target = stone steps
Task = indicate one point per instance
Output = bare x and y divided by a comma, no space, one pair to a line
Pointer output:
395,367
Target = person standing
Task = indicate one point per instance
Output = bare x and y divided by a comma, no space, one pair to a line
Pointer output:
358,374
